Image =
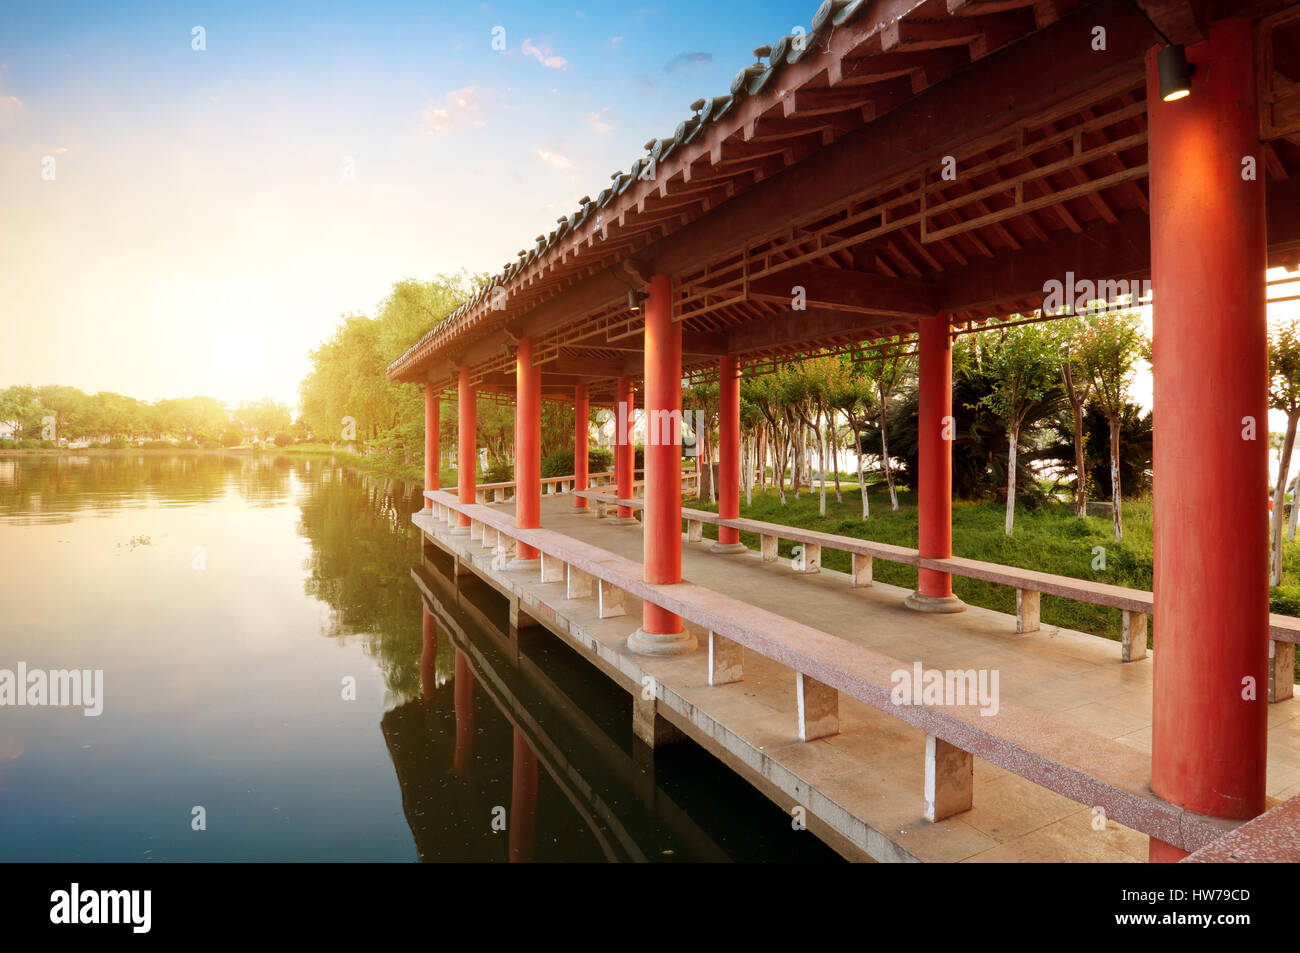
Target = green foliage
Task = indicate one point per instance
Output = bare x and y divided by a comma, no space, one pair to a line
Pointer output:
283,439
500,471
232,438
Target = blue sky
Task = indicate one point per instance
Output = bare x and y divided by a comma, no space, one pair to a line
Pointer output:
212,213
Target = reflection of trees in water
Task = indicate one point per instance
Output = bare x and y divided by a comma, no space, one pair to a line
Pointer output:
49,488
363,548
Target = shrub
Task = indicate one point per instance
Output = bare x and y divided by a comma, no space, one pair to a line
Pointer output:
282,439
232,438
158,445
559,463
499,472
118,443
210,443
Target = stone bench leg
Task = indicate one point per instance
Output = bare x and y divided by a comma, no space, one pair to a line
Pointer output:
861,570
581,585
1281,670
552,569
1027,606
819,708
1133,646
490,537
726,660
768,545
480,496
694,531
949,779
600,509
611,601
811,558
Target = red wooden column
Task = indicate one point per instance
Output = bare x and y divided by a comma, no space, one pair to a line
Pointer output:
624,449
523,800
431,440
1208,256
467,455
661,632
580,414
728,454
428,654
935,434
528,448
463,706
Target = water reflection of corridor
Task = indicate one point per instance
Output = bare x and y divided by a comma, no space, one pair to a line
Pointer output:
567,778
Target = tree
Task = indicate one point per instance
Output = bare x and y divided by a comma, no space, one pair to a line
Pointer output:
855,398
1283,395
1077,391
1109,347
1021,362
887,371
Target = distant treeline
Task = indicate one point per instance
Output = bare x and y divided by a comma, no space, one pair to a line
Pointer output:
53,414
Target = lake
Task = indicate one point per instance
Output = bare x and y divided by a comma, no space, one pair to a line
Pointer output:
287,676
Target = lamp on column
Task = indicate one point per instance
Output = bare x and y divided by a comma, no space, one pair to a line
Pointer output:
1175,73
634,299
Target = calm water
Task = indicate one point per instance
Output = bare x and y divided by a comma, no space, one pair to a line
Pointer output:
230,600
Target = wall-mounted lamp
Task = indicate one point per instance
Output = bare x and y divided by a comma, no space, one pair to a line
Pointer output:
1175,73
634,299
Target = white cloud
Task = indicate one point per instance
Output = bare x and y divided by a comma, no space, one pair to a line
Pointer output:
615,41
10,106
552,159
457,107
597,123
542,56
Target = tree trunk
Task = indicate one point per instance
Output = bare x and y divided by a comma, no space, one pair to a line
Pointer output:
862,476
884,459
1080,466
778,464
835,458
1279,495
1295,510
1013,435
751,449
821,447
1114,479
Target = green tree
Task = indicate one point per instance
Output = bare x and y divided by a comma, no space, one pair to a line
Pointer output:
1108,347
1021,363
1283,395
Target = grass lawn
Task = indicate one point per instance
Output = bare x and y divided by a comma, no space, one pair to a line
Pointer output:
1048,539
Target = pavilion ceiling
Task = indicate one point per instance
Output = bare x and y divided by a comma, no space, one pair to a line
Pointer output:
908,158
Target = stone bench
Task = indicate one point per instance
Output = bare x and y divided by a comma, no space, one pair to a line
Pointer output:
1134,604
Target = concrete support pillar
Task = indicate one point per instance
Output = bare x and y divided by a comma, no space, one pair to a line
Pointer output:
935,434
523,800
580,414
467,462
728,454
624,449
463,704
1208,257
431,440
949,779
662,632
528,449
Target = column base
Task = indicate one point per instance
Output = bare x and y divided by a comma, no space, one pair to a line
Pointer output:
728,548
459,531
580,509
649,643
923,603
624,520
517,564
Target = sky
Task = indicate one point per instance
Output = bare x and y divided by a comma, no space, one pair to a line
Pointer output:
181,221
